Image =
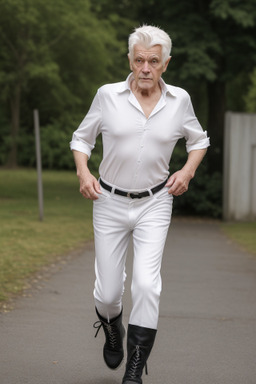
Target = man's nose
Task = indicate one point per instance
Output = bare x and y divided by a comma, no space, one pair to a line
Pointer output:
145,67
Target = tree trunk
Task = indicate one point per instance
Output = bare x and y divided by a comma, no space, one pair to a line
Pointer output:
15,125
216,119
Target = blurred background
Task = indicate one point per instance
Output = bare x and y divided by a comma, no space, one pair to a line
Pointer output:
55,54
53,57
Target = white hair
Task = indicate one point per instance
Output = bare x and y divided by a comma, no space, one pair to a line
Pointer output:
149,36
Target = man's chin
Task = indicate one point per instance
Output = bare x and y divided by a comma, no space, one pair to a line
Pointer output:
145,84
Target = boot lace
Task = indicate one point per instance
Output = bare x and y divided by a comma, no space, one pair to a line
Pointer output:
111,332
135,366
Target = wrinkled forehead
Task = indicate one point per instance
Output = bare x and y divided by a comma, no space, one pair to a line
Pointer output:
145,51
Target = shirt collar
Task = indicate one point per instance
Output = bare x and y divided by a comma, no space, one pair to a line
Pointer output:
125,86
167,89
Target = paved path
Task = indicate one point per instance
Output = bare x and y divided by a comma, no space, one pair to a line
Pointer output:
207,327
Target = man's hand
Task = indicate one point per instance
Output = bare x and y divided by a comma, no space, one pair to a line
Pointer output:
89,186
178,182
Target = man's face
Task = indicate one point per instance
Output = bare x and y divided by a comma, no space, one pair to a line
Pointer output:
147,66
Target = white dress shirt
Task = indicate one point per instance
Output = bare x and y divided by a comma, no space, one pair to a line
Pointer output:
137,150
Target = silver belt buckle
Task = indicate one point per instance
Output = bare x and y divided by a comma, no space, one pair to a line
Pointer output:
134,195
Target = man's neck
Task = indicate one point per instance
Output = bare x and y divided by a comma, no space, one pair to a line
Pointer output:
150,93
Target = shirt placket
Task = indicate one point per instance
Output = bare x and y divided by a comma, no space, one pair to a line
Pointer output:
142,129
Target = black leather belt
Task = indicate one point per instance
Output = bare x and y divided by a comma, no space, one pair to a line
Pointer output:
133,195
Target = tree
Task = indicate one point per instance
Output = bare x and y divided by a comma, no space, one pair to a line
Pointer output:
213,44
24,54
53,56
250,98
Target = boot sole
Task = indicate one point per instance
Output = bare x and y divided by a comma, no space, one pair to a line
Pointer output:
117,368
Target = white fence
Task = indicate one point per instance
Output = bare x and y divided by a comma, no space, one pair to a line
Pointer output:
239,186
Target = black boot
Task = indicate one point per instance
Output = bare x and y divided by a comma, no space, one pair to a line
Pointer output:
140,341
113,351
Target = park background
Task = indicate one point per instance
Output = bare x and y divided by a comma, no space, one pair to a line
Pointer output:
53,57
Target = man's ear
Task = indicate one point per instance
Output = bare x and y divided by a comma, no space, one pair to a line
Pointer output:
166,63
130,61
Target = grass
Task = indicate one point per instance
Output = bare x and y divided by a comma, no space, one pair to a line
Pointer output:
242,233
28,244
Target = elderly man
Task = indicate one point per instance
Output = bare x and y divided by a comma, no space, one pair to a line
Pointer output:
141,120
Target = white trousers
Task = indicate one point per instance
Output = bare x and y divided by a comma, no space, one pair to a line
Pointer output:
116,219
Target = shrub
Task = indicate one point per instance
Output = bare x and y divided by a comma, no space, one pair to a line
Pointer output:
204,196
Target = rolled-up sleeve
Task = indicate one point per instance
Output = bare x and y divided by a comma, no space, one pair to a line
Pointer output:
194,135
84,138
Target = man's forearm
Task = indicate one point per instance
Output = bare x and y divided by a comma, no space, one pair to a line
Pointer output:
179,181
194,159
81,160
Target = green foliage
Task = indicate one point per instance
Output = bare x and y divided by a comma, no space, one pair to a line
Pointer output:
60,42
242,12
213,44
4,135
238,86
96,156
250,98
55,151
55,54
212,40
53,57
25,50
